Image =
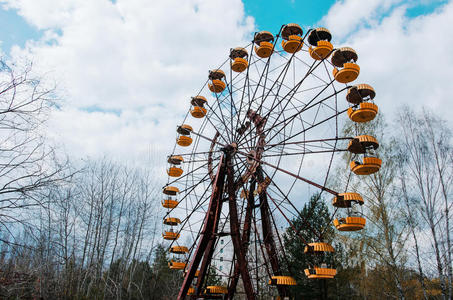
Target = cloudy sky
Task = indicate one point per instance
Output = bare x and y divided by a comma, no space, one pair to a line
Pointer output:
125,69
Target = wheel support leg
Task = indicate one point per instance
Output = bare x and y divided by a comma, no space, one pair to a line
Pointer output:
207,233
245,237
268,239
235,233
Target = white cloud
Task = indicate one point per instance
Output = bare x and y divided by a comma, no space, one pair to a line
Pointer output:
43,13
407,60
346,16
143,59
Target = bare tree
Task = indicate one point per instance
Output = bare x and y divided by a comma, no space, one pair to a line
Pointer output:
425,141
28,164
386,233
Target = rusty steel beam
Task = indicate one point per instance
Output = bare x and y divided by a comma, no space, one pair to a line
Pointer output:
268,238
210,247
235,232
207,232
245,237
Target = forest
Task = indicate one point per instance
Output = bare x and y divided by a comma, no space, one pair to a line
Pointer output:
91,229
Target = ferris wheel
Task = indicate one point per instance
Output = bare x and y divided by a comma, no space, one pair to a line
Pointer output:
260,133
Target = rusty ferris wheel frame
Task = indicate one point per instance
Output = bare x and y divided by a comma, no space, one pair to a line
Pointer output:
261,119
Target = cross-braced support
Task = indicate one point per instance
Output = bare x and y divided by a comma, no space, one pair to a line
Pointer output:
205,247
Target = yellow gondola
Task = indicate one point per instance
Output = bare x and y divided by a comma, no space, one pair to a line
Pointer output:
216,85
282,280
350,223
363,110
240,63
176,265
198,111
172,221
263,40
216,289
183,139
174,170
320,273
346,200
320,40
345,59
318,247
170,190
359,93
291,38
169,203
179,249
170,235
366,112
362,143
369,165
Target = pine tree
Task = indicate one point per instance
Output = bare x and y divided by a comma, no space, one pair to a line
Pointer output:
314,215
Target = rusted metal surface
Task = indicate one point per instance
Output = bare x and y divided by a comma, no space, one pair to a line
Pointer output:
207,233
246,230
240,249
235,234
268,238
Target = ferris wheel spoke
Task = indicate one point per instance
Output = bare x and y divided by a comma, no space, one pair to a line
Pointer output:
308,128
260,243
289,221
221,119
285,198
294,89
314,75
209,139
291,174
306,223
232,104
282,248
196,153
187,174
282,73
306,107
308,141
309,105
264,74
330,166
301,148
189,190
274,83
288,96
246,84
307,152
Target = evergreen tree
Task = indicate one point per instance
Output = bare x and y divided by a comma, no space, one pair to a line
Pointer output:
166,282
213,278
313,217
314,222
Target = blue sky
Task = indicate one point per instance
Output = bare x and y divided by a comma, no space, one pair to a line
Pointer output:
15,30
268,14
272,14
